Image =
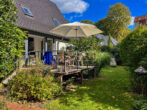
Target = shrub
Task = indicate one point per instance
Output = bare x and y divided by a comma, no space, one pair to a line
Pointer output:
105,49
114,51
100,59
134,47
140,103
3,105
133,51
103,59
34,84
143,62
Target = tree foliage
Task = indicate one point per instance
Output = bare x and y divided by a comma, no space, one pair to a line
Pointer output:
11,37
116,22
103,25
134,47
85,44
87,21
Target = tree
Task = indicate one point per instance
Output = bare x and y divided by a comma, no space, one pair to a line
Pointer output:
11,37
85,44
119,17
87,21
116,22
103,25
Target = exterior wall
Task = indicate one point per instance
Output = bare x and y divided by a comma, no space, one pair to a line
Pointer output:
37,43
56,44
59,45
141,22
62,45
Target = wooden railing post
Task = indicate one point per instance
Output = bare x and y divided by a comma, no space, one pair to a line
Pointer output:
26,52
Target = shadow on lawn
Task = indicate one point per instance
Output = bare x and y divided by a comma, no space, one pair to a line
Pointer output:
109,92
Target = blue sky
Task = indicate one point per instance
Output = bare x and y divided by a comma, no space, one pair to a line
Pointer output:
94,10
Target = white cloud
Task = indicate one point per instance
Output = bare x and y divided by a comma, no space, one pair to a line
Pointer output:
78,16
75,16
69,6
132,21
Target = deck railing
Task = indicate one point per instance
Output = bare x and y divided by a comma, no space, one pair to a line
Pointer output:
61,60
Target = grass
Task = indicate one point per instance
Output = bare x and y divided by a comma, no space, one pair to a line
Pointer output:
108,92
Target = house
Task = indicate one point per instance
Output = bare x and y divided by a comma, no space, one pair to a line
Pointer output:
38,17
141,20
105,40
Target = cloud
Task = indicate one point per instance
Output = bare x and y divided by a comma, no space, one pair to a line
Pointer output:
132,21
71,18
69,6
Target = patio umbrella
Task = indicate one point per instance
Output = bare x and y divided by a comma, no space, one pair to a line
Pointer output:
76,29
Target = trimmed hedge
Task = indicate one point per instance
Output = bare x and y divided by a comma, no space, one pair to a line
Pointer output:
134,47
133,52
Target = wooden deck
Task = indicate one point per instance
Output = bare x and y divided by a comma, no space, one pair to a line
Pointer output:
75,70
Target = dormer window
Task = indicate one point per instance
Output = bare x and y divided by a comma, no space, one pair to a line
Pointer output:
27,11
56,22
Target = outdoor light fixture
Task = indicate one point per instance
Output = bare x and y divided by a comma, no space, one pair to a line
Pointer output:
140,70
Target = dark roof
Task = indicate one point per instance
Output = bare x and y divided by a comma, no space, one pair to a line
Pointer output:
43,11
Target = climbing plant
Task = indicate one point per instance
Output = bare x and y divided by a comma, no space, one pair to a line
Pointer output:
11,37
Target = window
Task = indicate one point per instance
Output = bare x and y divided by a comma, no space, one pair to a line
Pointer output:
31,44
139,19
27,11
56,22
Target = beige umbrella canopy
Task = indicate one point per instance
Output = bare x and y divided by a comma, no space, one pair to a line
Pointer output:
76,29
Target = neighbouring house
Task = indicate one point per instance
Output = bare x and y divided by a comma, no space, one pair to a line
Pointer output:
141,20
38,17
105,40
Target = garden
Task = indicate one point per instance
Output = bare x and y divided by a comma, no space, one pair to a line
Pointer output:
116,87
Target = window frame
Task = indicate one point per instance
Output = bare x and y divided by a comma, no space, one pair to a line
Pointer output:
26,8
56,21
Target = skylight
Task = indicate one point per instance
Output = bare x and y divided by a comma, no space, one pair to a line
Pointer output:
27,11
56,22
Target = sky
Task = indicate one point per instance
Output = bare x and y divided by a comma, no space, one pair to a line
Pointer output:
94,10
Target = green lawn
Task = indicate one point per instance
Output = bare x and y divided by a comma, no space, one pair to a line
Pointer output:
108,92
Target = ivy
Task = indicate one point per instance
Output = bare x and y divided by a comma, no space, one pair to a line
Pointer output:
11,37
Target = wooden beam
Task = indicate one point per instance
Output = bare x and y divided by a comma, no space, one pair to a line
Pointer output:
61,79
26,52
46,44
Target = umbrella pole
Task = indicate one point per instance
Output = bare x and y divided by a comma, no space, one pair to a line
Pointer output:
77,47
